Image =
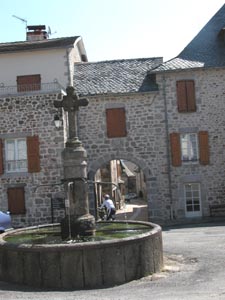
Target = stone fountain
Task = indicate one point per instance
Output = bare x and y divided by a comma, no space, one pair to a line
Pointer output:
79,221
70,264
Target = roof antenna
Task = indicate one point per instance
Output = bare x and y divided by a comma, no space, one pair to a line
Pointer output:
23,20
50,32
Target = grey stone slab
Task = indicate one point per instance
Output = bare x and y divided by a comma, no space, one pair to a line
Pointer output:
50,266
72,269
132,257
113,266
32,269
93,269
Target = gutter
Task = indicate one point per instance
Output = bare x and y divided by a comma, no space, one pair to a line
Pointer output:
168,149
70,80
118,94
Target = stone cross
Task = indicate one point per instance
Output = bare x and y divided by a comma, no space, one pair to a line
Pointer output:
71,104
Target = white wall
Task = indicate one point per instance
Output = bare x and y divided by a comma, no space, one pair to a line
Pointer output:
51,64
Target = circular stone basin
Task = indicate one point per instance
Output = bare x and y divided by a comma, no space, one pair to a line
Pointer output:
119,252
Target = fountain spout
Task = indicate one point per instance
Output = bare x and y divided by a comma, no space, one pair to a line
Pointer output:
78,220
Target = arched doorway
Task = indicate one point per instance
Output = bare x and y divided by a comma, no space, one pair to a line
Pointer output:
125,180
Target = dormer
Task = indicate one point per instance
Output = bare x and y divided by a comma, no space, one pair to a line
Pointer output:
36,33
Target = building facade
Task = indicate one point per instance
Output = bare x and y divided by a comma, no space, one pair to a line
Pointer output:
34,74
173,129
166,118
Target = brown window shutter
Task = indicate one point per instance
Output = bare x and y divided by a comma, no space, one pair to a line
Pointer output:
28,83
190,90
175,149
116,122
33,154
1,157
186,96
118,166
181,96
203,147
16,200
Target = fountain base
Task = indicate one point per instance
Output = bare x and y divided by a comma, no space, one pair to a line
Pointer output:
87,265
77,226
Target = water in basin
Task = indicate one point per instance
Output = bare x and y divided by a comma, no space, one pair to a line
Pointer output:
52,234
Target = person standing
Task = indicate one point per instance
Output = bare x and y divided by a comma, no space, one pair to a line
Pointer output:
109,206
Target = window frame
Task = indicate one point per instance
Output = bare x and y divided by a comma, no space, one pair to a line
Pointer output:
28,83
16,159
202,144
192,200
188,147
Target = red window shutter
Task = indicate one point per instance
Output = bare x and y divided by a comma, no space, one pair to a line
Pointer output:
28,83
175,149
1,157
181,96
116,122
16,200
33,154
190,90
203,147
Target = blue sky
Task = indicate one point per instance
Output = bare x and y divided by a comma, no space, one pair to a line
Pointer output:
113,29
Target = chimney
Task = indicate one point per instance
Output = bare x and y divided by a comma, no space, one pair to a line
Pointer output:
36,33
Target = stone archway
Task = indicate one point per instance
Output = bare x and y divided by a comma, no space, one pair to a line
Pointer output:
93,166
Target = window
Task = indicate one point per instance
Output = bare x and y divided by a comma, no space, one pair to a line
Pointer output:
16,155
186,96
16,200
21,155
189,147
28,83
116,122
192,199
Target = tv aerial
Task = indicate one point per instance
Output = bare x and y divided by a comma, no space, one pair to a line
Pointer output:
23,20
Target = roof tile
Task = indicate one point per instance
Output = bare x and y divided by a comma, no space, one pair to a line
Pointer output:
33,45
205,50
115,76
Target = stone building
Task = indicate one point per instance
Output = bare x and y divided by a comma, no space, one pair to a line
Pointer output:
167,118
123,120
34,73
169,121
192,88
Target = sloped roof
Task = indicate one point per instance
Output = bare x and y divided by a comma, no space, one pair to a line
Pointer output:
126,169
115,76
63,42
207,49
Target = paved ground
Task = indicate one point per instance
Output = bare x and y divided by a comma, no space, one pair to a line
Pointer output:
135,210
194,269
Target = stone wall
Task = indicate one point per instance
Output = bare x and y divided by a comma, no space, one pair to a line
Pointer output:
210,101
145,143
24,116
147,140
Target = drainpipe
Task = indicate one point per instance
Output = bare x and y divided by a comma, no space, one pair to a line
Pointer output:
168,149
70,70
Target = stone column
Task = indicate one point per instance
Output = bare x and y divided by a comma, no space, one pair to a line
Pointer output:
79,221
